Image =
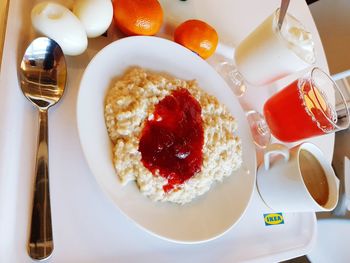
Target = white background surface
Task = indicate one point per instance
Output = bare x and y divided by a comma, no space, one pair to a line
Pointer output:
87,227
333,241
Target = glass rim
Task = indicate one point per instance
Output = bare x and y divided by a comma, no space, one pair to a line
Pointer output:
280,35
310,77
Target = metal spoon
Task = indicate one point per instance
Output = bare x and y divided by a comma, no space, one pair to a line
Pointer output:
42,76
283,11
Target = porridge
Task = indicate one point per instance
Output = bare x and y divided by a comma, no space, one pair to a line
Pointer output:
169,136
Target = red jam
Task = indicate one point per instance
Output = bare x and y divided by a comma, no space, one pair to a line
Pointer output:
172,141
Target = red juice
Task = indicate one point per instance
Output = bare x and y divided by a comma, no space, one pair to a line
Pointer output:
172,142
299,111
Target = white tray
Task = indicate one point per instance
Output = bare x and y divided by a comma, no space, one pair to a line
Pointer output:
87,227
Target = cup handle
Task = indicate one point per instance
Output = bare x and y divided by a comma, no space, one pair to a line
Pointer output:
275,148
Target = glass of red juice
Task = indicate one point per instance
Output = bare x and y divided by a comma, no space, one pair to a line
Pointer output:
307,108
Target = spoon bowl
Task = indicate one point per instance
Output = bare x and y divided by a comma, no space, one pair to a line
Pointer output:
43,72
42,76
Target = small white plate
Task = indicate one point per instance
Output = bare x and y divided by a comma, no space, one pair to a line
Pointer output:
208,216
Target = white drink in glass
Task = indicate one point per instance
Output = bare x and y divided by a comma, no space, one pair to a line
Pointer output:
268,54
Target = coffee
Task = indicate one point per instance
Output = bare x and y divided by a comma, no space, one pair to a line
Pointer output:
314,177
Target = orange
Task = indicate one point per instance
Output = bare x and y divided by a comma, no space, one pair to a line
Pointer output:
138,17
197,36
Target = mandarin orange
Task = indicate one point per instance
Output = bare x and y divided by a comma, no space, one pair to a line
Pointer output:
197,36
138,17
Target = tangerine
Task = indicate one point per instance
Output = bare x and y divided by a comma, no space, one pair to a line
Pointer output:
138,17
197,36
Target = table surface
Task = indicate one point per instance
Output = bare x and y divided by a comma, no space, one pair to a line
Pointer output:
87,226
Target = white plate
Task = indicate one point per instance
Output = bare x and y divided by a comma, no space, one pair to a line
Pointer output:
208,216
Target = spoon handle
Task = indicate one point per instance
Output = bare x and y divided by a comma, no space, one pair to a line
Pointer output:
40,241
283,11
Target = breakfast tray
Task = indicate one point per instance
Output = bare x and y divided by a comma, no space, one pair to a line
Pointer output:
87,227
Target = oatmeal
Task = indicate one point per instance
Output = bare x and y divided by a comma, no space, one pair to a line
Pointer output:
132,103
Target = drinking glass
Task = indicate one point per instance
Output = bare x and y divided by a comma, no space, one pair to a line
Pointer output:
267,54
306,108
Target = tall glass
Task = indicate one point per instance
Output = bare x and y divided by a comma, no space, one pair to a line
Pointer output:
269,53
307,108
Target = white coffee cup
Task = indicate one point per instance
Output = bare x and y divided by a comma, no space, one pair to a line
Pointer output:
283,183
